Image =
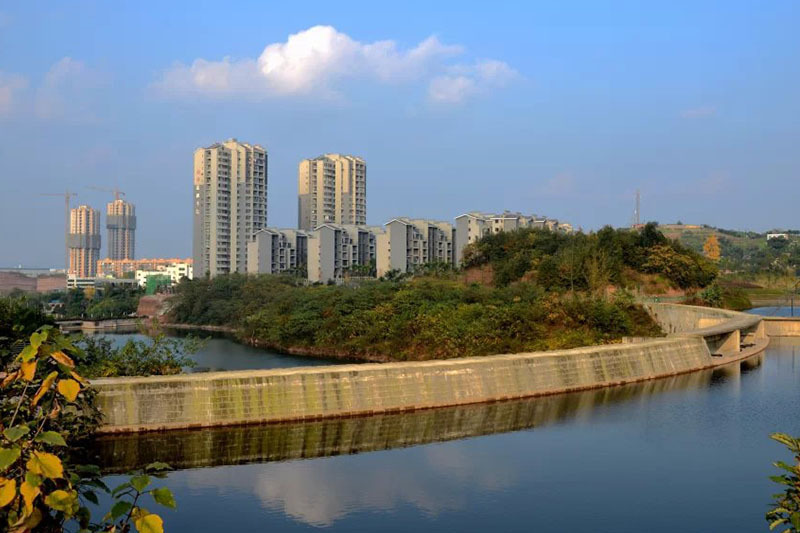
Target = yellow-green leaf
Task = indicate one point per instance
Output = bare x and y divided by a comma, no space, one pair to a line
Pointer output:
46,384
29,493
46,464
37,338
15,433
27,353
69,389
8,491
63,359
28,369
150,523
62,500
8,456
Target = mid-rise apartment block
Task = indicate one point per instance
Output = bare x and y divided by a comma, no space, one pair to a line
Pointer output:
83,241
230,205
472,226
118,268
336,251
408,244
274,250
121,226
332,189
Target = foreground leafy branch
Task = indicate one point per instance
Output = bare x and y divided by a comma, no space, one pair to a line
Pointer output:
45,405
786,509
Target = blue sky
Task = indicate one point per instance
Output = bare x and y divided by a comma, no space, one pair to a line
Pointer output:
559,108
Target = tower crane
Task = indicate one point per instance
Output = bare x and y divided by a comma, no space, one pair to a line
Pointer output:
115,191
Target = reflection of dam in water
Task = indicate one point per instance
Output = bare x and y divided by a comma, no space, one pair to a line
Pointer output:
339,436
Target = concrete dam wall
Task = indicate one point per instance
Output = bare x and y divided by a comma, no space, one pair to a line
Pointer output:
244,397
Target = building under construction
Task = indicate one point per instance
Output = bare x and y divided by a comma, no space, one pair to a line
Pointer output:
83,242
121,226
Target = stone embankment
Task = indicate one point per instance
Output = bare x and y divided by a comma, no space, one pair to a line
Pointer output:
698,338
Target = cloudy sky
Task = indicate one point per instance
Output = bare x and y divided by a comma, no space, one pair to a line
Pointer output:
558,108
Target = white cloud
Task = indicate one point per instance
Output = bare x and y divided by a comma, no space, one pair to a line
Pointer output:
464,81
10,86
65,88
699,112
321,59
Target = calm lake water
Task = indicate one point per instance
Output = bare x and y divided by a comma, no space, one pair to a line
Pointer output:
222,353
683,454
776,311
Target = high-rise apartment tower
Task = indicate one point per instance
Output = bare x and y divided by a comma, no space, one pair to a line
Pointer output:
83,241
332,189
230,205
121,226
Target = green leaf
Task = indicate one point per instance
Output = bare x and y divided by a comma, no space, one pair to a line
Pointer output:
33,479
8,456
157,466
117,510
120,488
53,438
140,482
91,496
163,496
15,433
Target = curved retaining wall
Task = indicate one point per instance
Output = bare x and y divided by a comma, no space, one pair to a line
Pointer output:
242,397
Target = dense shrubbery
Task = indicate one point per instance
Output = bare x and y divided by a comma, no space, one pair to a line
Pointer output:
423,318
588,261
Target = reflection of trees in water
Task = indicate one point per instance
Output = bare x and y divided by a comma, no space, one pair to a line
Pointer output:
341,436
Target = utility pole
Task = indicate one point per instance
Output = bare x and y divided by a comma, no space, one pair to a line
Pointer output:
67,195
636,211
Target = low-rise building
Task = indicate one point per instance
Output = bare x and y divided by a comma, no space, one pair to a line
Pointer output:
119,267
474,225
336,251
178,271
407,244
275,250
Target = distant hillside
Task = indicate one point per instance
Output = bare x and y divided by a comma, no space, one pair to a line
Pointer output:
746,252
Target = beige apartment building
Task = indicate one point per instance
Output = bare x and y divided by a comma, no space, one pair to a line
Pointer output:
83,242
275,250
332,189
121,227
474,225
230,205
408,243
339,250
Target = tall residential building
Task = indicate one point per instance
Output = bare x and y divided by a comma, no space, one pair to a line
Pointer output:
274,250
410,243
83,241
339,250
230,205
332,189
121,226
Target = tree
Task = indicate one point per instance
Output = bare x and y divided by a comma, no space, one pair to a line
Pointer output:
786,509
711,248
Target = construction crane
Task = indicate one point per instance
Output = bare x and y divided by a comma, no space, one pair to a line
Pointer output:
67,195
115,191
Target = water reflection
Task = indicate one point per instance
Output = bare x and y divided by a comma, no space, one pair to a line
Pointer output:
343,436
